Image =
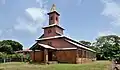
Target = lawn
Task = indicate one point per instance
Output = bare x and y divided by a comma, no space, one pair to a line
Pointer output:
98,65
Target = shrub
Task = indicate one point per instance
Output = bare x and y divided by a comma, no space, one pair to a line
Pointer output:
28,59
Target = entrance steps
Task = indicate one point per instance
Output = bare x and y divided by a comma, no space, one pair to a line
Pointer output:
52,62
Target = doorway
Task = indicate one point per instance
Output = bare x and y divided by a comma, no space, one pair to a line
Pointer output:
49,55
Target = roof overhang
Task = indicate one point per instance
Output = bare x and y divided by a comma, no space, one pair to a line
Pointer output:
53,26
46,46
54,37
50,47
53,12
74,48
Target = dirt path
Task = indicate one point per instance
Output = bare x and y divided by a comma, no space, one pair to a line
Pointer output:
115,66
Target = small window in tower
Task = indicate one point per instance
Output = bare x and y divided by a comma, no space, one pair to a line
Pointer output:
51,18
56,18
49,31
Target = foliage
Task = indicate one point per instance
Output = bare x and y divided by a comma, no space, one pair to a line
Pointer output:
28,58
3,55
108,47
85,43
9,46
88,44
117,57
6,48
16,55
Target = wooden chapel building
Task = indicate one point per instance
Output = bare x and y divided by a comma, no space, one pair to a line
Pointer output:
53,45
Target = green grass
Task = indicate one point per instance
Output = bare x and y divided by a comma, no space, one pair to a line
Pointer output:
98,65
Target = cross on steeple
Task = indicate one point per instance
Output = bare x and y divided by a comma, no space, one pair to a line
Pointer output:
53,8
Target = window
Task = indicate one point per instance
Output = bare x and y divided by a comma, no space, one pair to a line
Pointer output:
49,31
56,18
80,53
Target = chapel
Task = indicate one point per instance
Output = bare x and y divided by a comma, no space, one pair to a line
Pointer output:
53,45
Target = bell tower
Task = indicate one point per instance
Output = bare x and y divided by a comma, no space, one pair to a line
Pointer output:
53,29
53,16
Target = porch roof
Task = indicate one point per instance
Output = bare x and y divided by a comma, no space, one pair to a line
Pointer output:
46,46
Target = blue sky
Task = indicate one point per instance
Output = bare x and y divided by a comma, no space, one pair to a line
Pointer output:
21,20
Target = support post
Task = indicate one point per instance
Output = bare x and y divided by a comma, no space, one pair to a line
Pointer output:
85,56
34,55
45,56
77,56
82,56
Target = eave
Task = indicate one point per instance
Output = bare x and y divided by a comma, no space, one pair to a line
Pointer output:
53,26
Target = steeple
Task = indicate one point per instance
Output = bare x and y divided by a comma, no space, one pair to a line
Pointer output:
53,8
53,29
53,15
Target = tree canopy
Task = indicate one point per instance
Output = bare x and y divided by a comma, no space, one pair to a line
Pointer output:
9,46
85,43
108,47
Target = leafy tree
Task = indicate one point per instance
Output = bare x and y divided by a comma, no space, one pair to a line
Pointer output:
3,55
88,44
85,43
6,48
9,46
15,45
107,47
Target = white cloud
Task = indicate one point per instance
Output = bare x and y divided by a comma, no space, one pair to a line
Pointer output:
34,18
26,25
37,13
2,1
105,33
112,11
